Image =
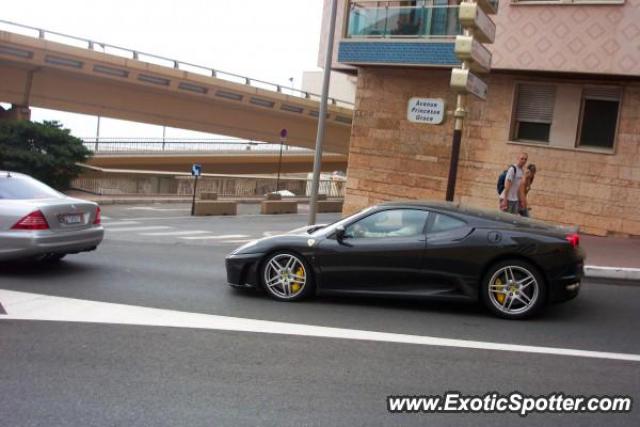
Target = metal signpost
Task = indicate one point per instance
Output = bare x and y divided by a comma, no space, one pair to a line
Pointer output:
478,29
283,140
322,117
196,171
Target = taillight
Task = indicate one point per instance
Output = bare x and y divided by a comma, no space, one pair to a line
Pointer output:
573,239
97,220
34,221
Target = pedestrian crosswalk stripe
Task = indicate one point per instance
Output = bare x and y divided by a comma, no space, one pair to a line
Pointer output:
148,228
212,237
175,233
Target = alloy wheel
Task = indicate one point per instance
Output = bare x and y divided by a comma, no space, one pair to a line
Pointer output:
513,290
285,276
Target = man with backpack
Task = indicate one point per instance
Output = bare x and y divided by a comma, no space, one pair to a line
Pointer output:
509,186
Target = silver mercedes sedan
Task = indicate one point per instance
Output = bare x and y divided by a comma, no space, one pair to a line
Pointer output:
40,223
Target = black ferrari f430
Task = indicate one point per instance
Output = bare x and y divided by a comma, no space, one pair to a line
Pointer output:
515,266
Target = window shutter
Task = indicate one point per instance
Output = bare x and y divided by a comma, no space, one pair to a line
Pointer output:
606,93
535,103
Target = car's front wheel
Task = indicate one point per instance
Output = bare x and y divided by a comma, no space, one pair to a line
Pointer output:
286,276
514,289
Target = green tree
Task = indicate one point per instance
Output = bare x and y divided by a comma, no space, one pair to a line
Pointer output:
44,150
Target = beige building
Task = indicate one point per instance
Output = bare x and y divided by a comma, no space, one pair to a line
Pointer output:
564,87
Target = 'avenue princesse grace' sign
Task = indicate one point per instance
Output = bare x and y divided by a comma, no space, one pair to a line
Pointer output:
426,110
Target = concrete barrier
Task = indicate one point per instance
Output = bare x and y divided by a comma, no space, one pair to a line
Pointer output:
273,196
326,206
215,207
273,207
207,195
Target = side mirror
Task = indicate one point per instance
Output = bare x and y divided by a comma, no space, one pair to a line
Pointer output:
340,233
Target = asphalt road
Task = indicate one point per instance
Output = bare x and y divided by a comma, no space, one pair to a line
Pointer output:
87,373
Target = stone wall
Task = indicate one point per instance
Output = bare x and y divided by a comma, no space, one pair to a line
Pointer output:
391,158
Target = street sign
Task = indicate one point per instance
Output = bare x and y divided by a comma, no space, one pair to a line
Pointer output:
490,7
466,82
469,49
472,17
426,110
196,169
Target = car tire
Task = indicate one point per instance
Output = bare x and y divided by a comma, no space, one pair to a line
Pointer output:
514,289
286,276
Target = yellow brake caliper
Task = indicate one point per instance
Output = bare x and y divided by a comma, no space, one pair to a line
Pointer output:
500,296
295,286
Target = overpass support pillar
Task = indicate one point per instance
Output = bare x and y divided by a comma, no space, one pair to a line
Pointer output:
16,112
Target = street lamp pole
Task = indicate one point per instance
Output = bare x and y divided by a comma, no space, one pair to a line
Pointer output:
322,117
283,139
97,134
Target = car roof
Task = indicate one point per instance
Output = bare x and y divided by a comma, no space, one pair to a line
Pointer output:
430,204
484,216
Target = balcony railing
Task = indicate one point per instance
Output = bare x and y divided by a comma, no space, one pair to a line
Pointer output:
391,19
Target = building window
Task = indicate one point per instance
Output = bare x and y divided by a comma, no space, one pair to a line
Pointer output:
534,112
567,115
599,117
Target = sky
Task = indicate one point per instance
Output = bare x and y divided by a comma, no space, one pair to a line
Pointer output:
267,40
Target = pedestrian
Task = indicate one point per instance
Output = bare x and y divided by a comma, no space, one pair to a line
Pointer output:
525,187
509,198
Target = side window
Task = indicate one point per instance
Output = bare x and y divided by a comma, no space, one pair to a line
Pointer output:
445,223
389,223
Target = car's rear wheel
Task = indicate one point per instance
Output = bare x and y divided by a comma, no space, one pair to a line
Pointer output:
514,289
286,276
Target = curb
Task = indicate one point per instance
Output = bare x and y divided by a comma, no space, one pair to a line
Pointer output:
615,273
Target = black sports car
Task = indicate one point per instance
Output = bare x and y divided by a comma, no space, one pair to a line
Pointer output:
514,265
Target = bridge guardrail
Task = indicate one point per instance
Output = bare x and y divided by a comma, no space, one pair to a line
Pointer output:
161,60
173,145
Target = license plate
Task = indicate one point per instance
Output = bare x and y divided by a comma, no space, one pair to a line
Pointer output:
72,219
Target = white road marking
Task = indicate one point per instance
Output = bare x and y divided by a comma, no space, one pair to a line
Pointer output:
119,223
176,233
146,228
105,217
236,241
217,237
29,306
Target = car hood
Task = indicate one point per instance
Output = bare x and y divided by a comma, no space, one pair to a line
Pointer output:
266,244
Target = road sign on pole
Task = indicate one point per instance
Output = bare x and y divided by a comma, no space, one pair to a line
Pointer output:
196,171
466,82
478,28
471,50
473,18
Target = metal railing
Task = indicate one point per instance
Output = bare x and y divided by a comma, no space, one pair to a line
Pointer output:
250,186
181,145
386,19
161,60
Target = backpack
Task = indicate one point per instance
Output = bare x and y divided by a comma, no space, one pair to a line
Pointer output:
502,178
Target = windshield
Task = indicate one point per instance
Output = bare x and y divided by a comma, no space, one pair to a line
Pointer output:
331,227
17,187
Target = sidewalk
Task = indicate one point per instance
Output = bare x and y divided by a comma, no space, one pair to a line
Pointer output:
610,258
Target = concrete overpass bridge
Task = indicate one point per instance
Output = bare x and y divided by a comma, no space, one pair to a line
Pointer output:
215,156
70,74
